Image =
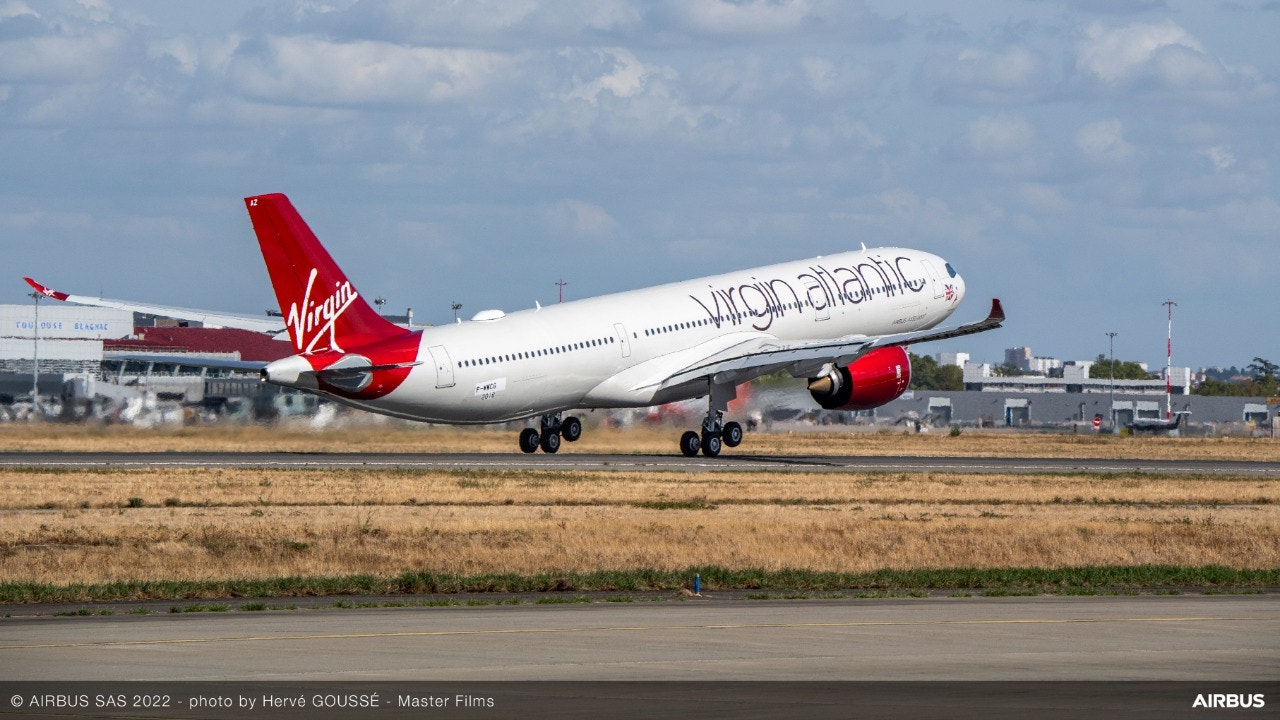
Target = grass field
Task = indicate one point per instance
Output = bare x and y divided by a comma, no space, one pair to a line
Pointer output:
70,527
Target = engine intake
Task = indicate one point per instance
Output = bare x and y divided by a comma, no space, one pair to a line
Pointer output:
872,380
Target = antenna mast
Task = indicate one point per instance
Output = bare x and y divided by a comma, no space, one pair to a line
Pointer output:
1168,367
561,283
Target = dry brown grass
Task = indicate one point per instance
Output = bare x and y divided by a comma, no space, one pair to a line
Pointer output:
396,437
237,487
209,544
272,523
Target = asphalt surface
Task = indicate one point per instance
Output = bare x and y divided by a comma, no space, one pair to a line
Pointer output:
1185,638
567,461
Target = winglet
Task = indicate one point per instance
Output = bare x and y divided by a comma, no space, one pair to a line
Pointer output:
46,291
997,311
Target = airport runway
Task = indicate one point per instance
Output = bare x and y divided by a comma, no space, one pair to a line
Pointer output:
571,461
1186,638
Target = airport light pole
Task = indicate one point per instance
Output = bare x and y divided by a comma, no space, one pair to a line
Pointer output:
1168,363
455,307
1112,336
35,356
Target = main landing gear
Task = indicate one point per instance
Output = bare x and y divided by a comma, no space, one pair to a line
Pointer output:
553,428
715,432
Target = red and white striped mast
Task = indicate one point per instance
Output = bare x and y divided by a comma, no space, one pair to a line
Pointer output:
1168,366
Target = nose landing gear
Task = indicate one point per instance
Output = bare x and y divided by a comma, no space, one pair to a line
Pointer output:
553,429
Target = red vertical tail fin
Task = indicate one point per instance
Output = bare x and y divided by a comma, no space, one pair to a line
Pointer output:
322,310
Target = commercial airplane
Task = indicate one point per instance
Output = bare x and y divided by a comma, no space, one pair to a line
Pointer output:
841,321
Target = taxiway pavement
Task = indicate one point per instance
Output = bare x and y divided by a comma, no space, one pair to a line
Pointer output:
1184,638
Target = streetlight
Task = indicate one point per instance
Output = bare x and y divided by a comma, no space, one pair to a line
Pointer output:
1112,336
455,307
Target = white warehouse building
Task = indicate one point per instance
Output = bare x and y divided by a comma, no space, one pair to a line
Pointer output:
67,338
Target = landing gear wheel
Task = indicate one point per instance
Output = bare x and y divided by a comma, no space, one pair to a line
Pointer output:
690,444
571,429
550,442
732,434
528,440
710,444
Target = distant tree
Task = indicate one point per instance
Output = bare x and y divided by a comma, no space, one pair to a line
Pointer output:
926,374
1264,374
1101,369
1211,386
1263,383
1223,373
950,377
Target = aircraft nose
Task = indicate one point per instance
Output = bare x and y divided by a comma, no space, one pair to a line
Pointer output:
959,288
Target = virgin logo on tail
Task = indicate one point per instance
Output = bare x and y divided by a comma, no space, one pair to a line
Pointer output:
313,319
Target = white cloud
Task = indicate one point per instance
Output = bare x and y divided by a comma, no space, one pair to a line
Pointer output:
738,81
63,58
976,76
183,51
581,219
621,74
999,137
1257,217
217,110
16,8
1116,55
316,71
97,10
1163,56
610,94
1220,156
475,22
1043,198
753,17
830,79
1104,142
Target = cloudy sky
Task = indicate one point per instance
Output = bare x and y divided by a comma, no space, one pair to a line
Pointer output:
1084,160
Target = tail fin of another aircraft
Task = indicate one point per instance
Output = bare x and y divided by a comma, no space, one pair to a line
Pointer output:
322,311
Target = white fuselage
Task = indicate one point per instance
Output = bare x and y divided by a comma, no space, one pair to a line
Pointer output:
601,352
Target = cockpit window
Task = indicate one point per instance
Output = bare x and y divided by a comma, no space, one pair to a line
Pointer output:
950,270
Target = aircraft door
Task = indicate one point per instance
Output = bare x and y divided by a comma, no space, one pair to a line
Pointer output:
819,302
444,366
623,339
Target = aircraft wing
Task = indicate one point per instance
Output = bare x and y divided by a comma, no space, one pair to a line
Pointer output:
207,318
754,356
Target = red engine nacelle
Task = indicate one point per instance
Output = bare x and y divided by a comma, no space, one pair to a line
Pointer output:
872,380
